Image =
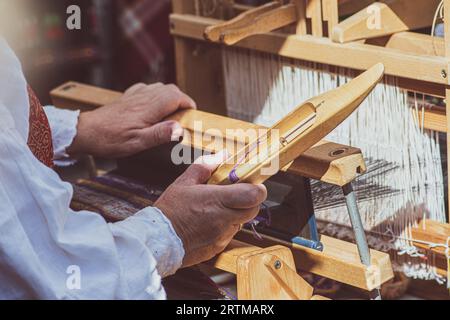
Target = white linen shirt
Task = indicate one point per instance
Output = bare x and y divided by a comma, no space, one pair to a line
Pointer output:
48,251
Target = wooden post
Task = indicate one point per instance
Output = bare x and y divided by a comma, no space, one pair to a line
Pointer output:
314,12
447,91
330,12
199,67
301,15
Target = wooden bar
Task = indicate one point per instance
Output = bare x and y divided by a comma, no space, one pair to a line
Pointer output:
432,232
329,162
417,43
257,276
330,13
314,12
397,63
300,27
393,16
429,233
323,50
339,261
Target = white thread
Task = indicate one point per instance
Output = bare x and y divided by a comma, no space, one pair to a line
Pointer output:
404,182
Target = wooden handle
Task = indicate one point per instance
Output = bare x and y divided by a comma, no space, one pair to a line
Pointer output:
328,162
263,19
213,33
332,108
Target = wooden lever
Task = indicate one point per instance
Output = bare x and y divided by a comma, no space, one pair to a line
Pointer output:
213,33
263,19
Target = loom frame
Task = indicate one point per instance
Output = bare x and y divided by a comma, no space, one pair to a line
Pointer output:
416,67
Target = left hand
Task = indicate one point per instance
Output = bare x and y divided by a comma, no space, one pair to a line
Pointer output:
131,124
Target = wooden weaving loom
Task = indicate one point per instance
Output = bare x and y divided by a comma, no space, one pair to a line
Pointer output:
266,268
330,32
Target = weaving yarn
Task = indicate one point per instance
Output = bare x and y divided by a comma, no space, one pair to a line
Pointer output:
404,181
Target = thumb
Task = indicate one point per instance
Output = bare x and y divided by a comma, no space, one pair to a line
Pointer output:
201,170
161,133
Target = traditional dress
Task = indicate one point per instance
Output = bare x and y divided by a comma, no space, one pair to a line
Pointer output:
45,247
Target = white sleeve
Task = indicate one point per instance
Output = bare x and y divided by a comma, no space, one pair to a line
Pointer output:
49,251
63,124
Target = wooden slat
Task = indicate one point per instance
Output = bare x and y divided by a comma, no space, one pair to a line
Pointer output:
392,15
301,17
324,162
417,43
330,13
435,120
339,261
433,232
314,12
322,50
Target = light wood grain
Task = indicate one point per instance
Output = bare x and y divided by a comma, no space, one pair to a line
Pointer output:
314,12
432,232
339,261
322,50
258,277
394,16
329,162
331,109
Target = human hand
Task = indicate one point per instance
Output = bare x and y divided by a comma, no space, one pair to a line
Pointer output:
207,217
132,123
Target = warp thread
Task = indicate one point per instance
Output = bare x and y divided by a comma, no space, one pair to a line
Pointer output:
404,182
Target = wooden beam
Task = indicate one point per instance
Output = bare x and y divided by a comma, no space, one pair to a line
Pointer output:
314,49
433,119
417,43
330,13
329,162
433,232
385,18
339,261
314,12
300,27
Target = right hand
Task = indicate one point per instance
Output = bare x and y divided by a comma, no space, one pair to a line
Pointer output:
207,217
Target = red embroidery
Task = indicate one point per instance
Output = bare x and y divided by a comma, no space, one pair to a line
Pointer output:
40,135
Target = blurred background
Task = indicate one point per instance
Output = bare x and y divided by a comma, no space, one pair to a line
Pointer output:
121,42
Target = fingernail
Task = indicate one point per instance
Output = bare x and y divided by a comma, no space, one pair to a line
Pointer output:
177,133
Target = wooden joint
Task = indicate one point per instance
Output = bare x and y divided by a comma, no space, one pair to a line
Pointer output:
268,273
